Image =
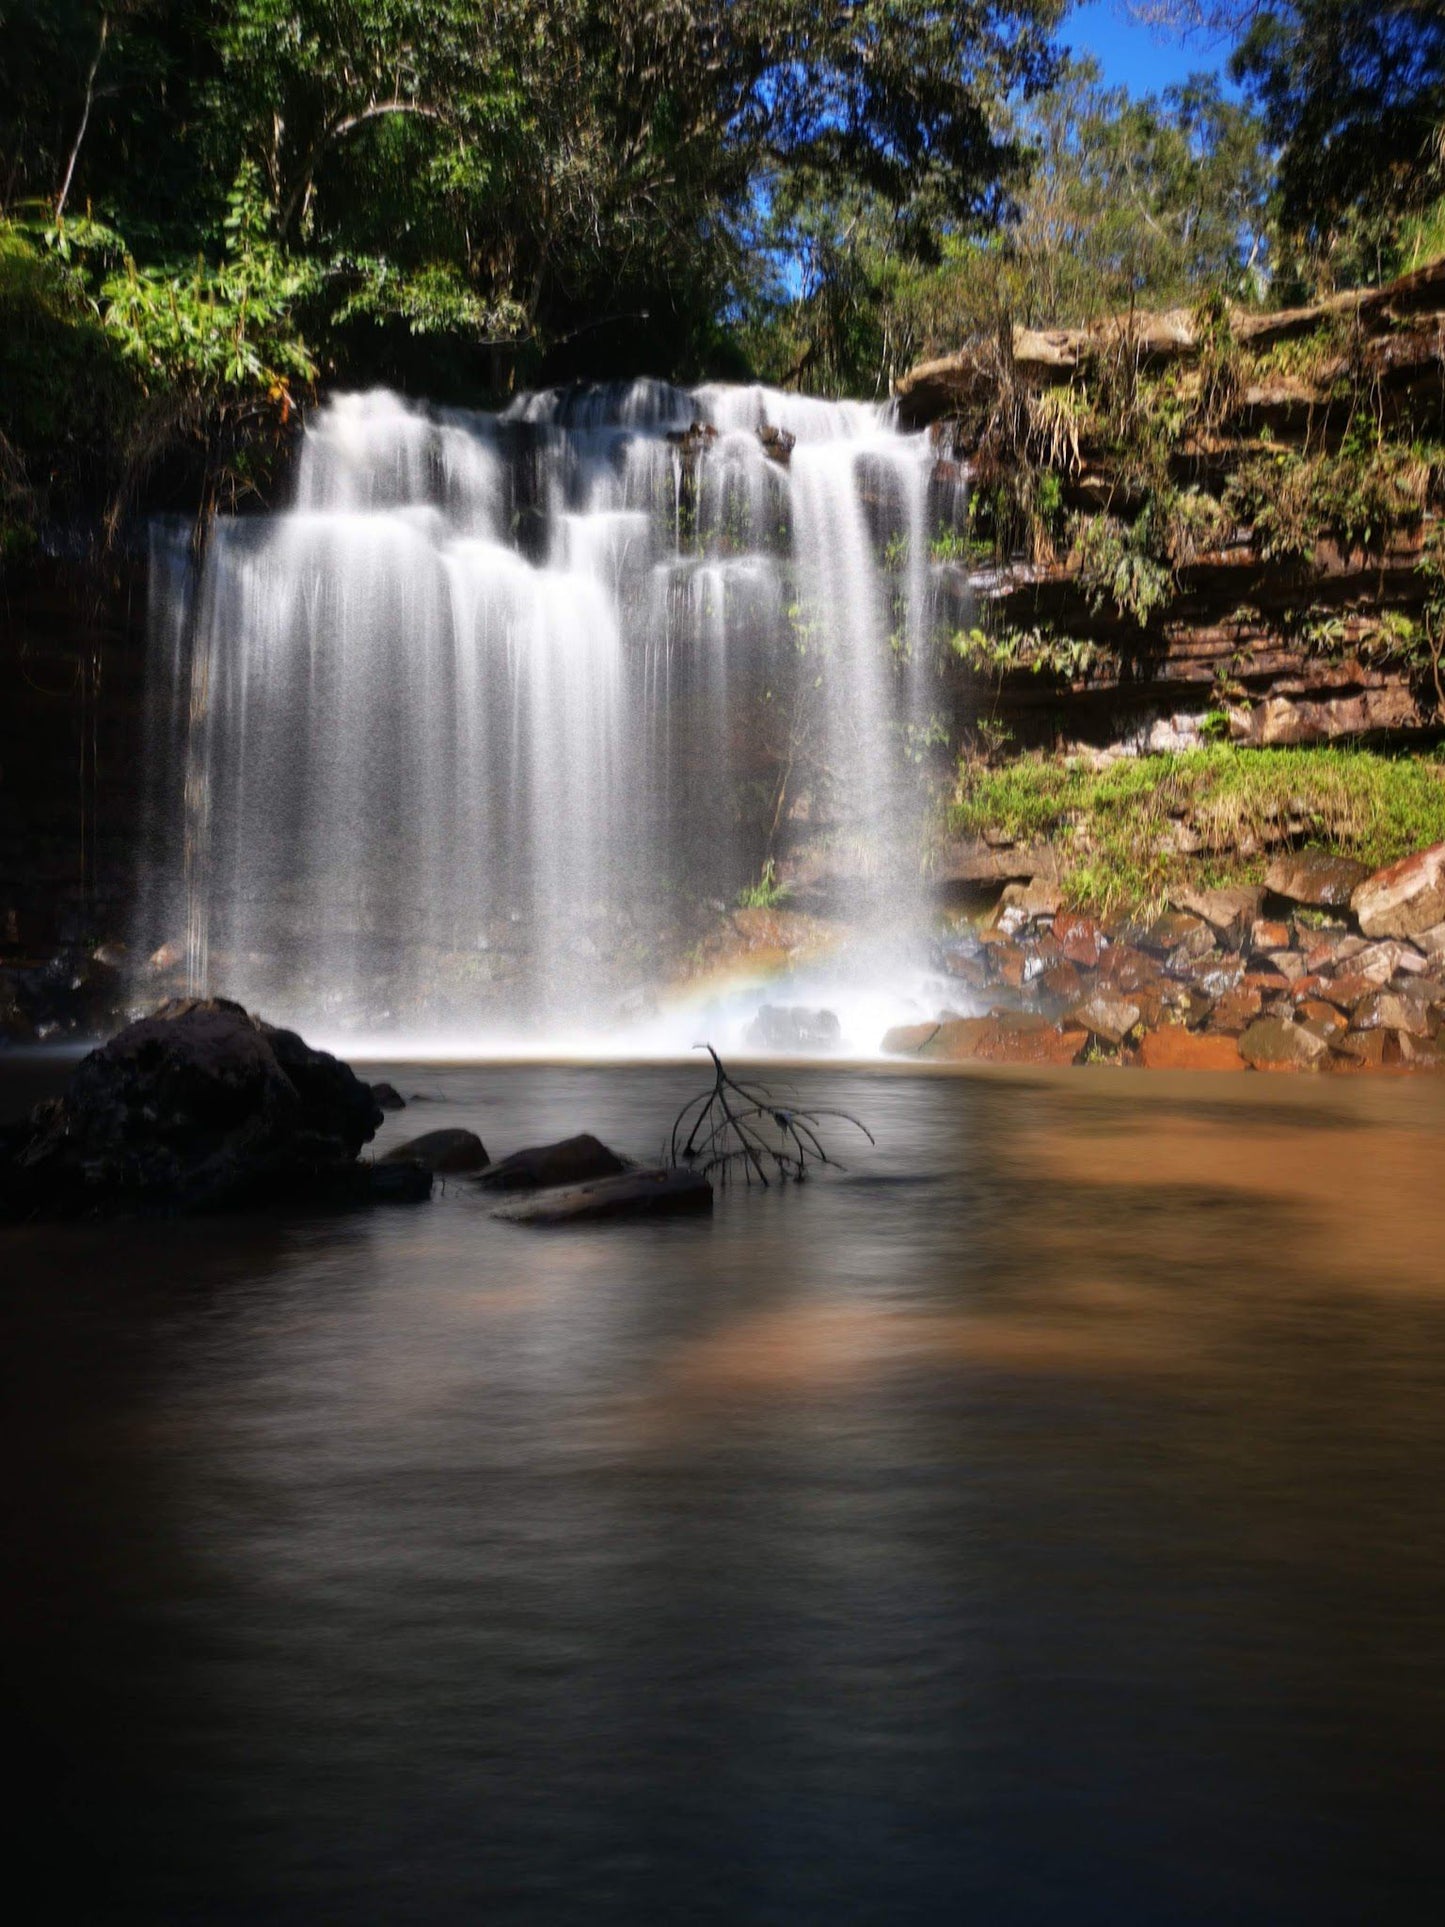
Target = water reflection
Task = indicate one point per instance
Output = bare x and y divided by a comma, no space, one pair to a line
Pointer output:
1033,1524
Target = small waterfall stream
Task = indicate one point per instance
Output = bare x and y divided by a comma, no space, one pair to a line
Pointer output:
479,738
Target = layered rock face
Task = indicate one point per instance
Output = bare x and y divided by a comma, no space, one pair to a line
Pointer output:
1203,524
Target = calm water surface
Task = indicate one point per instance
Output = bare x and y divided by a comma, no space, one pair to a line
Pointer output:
1040,1523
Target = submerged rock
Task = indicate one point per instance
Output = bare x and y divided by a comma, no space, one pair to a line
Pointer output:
197,1107
574,1160
385,1183
674,1192
441,1151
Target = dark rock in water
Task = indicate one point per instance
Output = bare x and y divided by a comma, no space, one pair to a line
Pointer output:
388,1097
441,1151
388,1183
574,1160
635,1194
794,1027
197,1107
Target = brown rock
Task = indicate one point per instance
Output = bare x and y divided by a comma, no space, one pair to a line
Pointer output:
1290,964
1037,898
1347,989
1124,968
1325,953
1315,1011
971,971
1267,935
1005,1037
1315,877
1062,980
1372,1049
1229,913
1389,1010
1405,897
1172,1048
1377,963
1275,1044
1155,1005
1177,933
1009,964
1236,1011
1108,1018
1080,938
1218,979
1421,1053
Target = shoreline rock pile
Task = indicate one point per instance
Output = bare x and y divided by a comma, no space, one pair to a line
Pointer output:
1325,967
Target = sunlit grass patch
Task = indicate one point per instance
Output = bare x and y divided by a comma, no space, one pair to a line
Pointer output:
1128,834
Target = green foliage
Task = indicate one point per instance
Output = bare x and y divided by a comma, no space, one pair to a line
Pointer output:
213,328
767,893
1116,829
1005,651
1115,566
1352,94
1369,490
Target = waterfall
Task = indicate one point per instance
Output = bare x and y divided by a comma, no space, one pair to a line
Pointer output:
486,731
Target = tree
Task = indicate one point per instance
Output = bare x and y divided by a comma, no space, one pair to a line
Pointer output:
1353,93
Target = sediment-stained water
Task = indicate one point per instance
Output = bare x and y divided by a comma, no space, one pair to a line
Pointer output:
1037,1522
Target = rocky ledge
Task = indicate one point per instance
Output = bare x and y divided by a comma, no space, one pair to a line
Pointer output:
1325,967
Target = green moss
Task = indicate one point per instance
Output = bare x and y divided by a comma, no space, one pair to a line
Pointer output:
1117,830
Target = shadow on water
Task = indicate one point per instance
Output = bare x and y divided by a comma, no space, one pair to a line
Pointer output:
1033,1523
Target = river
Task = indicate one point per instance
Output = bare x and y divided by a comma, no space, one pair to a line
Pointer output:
1037,1522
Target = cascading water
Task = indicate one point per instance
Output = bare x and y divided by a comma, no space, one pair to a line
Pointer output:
481,737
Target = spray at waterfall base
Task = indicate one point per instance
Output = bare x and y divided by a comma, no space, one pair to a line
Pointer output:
560,729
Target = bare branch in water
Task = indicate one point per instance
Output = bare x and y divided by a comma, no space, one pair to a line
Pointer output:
747,1126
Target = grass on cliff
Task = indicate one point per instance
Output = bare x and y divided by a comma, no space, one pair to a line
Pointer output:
1127,835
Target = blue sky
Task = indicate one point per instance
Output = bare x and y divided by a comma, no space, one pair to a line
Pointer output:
1133,55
